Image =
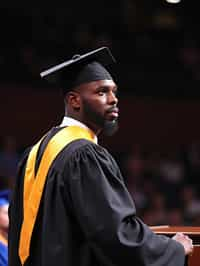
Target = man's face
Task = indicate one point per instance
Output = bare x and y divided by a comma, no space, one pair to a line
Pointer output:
99,105
4,220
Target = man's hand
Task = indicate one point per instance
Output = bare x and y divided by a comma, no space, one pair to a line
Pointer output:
185,241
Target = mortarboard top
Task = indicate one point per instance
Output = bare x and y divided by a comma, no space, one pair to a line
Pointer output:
66,74
4,197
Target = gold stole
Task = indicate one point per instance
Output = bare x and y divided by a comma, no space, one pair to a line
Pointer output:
34,185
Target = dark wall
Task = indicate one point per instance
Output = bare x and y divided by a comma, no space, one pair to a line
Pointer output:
158,124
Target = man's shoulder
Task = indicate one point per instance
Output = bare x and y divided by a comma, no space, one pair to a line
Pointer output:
80,145
89,149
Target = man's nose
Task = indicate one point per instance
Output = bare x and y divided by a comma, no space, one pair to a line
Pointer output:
112,99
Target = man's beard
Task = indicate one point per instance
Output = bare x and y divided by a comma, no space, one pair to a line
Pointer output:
108,127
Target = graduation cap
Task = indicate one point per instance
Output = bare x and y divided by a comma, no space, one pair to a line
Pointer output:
4,197
81,69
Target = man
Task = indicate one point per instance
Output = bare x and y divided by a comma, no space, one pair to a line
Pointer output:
70,205
4,223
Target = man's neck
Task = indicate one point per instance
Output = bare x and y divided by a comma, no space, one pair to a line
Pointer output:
4,233
69,121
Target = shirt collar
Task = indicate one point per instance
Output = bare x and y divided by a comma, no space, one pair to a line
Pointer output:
68,121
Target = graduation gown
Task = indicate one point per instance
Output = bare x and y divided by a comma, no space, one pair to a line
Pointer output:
86,215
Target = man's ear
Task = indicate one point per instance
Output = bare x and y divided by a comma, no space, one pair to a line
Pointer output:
73,99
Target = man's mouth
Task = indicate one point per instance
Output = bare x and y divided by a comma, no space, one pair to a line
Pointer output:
113,112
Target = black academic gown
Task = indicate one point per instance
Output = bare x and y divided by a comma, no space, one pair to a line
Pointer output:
86,216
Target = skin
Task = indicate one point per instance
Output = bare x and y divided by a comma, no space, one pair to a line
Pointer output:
185,241
93,104
4,221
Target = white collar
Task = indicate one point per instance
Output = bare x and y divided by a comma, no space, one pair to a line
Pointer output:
68,121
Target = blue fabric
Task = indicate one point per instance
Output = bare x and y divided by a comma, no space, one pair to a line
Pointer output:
4,197
3,202
3,254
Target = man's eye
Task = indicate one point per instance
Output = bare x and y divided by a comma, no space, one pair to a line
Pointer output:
101,93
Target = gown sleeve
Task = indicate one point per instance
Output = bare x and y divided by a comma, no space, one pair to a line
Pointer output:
107,216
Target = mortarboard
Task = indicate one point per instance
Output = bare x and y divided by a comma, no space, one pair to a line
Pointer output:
4,197
80,69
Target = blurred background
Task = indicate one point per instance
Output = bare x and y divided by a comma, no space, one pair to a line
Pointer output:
157,48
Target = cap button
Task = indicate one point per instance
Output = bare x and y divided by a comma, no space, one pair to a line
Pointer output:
76,56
